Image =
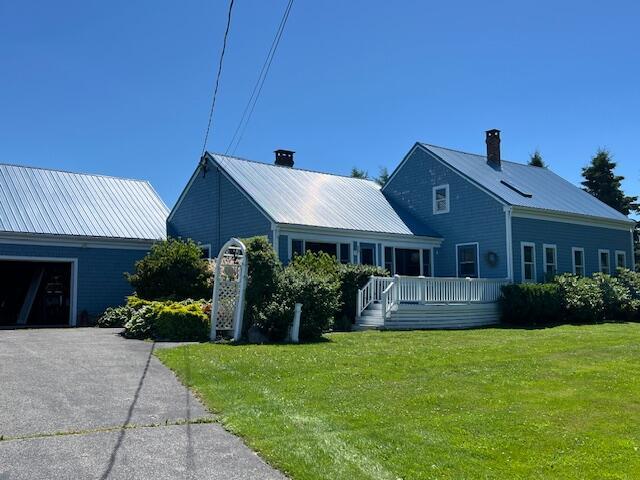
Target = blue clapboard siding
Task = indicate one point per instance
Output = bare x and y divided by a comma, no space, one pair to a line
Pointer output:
565,236
213,210
474,215
101,281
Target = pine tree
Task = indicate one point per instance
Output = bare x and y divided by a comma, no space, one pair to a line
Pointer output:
383,176
601,182
536,160
357,173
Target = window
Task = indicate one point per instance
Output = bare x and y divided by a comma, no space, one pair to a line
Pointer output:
367,255
297,248
345,253
621,259
426,263
467,260
317,247
550,261
440,199
578,260
388,260
528,251
603,261
206,251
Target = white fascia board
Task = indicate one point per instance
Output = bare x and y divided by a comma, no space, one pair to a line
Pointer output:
356,235
574,218
75,241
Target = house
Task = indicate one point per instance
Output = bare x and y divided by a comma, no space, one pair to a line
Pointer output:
66,239
442,213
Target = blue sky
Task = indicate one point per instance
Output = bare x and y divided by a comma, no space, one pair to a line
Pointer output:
123,88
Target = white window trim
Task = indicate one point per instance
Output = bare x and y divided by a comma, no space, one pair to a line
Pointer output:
420,249
544,257
522,262
435,206
73,294
573,260
600,252
332,241
624,254
477,256
202,246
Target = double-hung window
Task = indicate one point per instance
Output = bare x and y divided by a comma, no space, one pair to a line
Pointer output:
550,261
603,261
621,259
577,255
467,256
440,199
528,252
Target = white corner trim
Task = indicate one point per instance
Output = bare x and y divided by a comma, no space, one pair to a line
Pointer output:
434,203
509,237
573,259
600,265
73,300
477,244
522,263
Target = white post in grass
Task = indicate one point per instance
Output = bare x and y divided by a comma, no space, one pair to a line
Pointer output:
294,334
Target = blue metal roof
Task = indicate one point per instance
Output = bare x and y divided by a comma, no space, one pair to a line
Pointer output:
526,185
303,197
53,202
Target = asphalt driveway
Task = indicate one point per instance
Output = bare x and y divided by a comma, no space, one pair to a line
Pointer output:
85,403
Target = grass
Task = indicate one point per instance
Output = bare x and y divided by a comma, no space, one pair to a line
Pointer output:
561,402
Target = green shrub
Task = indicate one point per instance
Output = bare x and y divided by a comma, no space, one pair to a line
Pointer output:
179,322
114,317
141,325
353,277
321,264
631,280
531,304
617,300
173,269
262,284
582,298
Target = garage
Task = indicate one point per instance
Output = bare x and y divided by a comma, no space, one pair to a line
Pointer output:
36,292
67,240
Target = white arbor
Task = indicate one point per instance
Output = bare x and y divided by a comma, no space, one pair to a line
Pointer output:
230,280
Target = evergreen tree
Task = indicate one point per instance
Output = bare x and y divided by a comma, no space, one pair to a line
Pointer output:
536,160
601,182
357,173
383,176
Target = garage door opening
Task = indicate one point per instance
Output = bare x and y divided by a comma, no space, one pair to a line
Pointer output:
36,293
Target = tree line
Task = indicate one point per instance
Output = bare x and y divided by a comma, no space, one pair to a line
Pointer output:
600,180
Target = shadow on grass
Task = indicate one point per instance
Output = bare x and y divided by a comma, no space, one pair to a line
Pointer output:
545,326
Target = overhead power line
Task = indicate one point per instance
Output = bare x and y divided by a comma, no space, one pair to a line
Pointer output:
217,84
257,88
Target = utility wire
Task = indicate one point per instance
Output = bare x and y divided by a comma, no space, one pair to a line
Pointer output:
257,88
215,90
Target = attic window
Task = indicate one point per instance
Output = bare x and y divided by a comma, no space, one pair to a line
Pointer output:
517,190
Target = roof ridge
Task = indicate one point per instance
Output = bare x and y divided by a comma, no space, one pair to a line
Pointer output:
59,170
290,168
477,155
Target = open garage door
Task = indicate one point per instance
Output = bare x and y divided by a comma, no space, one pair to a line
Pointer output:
36,292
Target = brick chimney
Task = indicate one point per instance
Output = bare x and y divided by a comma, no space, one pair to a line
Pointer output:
493,147
284,158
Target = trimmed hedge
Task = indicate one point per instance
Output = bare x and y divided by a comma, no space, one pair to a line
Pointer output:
569,298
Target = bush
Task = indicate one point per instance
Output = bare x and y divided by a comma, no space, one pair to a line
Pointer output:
353,277
582,299
531,304
173,269
617,299
114,317
187,320
179,322
262,284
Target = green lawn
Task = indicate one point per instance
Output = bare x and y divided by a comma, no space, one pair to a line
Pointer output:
561,402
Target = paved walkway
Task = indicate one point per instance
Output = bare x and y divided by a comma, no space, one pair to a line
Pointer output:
85,403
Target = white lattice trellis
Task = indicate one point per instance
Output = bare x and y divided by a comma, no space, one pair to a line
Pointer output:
228,289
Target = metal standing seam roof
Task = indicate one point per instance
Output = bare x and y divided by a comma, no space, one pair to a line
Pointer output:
526,185
303,197
53,202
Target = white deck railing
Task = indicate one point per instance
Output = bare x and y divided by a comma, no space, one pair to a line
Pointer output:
391,291
372,292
